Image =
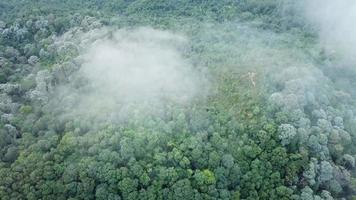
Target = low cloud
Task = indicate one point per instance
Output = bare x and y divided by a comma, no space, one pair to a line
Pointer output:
125,72
335,22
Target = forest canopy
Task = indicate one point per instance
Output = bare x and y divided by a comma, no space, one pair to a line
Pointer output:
173,99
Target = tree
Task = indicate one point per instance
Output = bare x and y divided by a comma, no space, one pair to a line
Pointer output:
326,172
310,173
182,189
11,154
127,186
33,60
287,133
227,161
348,161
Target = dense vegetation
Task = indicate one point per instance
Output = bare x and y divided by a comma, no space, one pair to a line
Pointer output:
274,119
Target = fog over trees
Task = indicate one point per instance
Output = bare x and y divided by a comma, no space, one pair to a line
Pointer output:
136,99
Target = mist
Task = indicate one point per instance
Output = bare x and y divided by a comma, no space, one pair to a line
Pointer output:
178,100
129,71
335,22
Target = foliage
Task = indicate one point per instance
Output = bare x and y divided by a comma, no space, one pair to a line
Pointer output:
258,134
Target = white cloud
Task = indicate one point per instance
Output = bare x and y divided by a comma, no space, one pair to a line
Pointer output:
127,71
336,23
